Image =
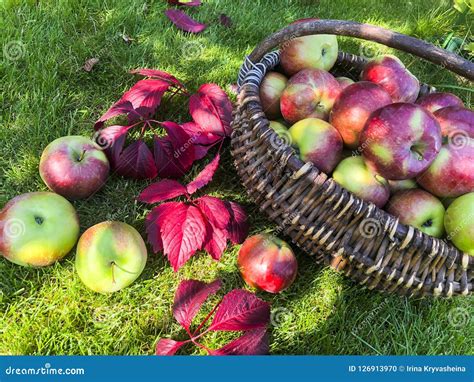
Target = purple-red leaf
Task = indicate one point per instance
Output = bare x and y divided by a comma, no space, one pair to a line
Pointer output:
215,210
182,143
215,241
253,342
182,21
204,177
241,310
225,20
238,227
182,232
161,191
198,135
166,346
122,106
159,75
221,102
136,161
155,220
166,164
188,3
189,297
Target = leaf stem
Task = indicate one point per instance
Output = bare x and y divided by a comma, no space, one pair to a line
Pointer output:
205,320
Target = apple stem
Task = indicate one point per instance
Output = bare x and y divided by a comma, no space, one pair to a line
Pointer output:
113,276
81,157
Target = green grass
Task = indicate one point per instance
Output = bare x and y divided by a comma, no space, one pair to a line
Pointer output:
45,95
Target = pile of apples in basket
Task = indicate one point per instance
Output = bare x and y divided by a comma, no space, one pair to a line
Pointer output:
377,137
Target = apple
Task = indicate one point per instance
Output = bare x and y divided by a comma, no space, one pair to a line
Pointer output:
271,88
344,82
267,263
37,229
354,106
452,172
74,167
401,185
318,142
110,256
439,100
354,175
459,223
308,52
400,140
310,93
456,122
390,73
419,209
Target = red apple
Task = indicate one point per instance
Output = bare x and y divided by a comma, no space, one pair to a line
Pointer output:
354,175
390,73
452,172
74,167
318,142
267,263
310,93
455,120
271,88
344,82
354,106
439,100
315,51
419,209
400,140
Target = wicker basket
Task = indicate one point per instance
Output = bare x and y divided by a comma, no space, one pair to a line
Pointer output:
319,216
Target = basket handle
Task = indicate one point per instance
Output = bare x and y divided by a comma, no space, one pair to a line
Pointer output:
369,32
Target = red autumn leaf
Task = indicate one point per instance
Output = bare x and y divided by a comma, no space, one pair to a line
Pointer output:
155,219
166,164
136,161
215,241
182,21
238,227
225,20
167,346
161,191
241,310
188,3
189,297
221,102
182,144
182,232
253,342
215,210
159,75
204,177
122,106
198,135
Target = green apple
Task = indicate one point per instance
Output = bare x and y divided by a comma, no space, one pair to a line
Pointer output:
419,209
459,223
354,175
37,229
110,256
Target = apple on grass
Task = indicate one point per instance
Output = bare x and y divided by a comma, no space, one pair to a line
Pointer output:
354,175
390,73
74,167
354,106
310,93
400,140
37,229
271,89
459,223
439,100
452,172
267,263
318,142
110,256
308,52
419,209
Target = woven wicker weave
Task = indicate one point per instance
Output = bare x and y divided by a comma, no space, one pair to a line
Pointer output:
322,218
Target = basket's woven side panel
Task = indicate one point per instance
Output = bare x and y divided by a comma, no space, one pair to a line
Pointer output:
328,222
